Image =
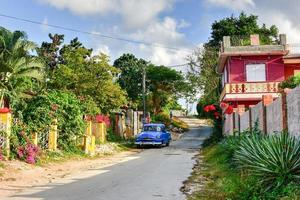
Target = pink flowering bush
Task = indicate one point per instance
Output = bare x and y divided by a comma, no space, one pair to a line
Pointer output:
1,155
28,152
103,119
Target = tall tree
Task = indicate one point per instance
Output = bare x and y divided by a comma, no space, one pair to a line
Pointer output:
130,77
89,77
206,58
19,69
164,84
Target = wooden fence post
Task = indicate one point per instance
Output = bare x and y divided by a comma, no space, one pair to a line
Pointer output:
5,128
284,111
250,117
266,100
240,110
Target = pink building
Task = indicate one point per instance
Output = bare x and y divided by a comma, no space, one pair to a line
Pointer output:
249,72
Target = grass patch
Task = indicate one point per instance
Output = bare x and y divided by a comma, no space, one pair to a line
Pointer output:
222,179
2,165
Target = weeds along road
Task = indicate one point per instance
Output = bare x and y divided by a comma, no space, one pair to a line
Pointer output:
149,175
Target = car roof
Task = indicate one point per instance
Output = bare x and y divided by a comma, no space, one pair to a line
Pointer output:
154,124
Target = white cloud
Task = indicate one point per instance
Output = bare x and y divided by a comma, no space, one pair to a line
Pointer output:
134,13
233,4
164,32
44,25
140,21
160,33
101,49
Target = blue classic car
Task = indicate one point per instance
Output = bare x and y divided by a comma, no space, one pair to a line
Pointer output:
153,134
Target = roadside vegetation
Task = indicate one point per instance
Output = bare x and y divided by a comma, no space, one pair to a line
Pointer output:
249,166
66,83
291,82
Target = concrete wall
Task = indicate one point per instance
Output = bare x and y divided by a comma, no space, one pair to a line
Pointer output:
244,121
274,117
293,110
271,118
236,122
228,125
257,115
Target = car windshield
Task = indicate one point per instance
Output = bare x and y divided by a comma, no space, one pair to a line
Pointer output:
152,128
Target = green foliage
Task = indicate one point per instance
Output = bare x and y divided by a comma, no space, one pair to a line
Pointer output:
291,82
244,25
164,84
63,106
112,137
226,181
20,72
72,67
274,159
130,78
178,123
162,118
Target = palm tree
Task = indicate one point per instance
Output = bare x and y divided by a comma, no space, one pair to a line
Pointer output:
18,66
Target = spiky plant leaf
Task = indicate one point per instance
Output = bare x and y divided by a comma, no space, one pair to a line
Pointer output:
274,159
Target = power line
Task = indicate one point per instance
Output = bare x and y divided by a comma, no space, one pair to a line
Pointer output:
180,65
94,33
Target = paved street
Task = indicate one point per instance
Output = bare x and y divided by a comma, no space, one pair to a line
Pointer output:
149,175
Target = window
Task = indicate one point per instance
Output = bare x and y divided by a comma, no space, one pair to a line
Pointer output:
296,72
255,72
152,128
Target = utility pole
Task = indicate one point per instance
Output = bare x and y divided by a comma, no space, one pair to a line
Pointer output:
144,94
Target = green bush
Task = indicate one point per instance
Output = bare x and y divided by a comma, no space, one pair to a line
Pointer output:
63,106
162,118
291,82
226,180
274,160
178,123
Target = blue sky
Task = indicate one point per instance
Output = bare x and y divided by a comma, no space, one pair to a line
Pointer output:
183,24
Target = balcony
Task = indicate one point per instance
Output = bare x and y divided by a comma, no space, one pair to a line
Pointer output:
248,91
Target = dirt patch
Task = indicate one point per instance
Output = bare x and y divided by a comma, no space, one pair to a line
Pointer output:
17,176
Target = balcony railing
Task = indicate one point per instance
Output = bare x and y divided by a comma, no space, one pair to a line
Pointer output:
250,87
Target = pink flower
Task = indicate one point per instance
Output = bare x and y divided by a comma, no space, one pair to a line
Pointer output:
30,159
20,152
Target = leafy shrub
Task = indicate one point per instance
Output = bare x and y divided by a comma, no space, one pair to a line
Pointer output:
275,159
291,82
1,155
163,118
176,122
64,107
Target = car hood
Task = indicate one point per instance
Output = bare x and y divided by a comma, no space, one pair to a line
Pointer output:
148,134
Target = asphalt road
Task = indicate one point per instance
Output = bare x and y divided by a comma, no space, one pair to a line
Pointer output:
150,175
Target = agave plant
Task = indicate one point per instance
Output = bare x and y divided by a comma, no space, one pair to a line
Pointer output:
274,159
